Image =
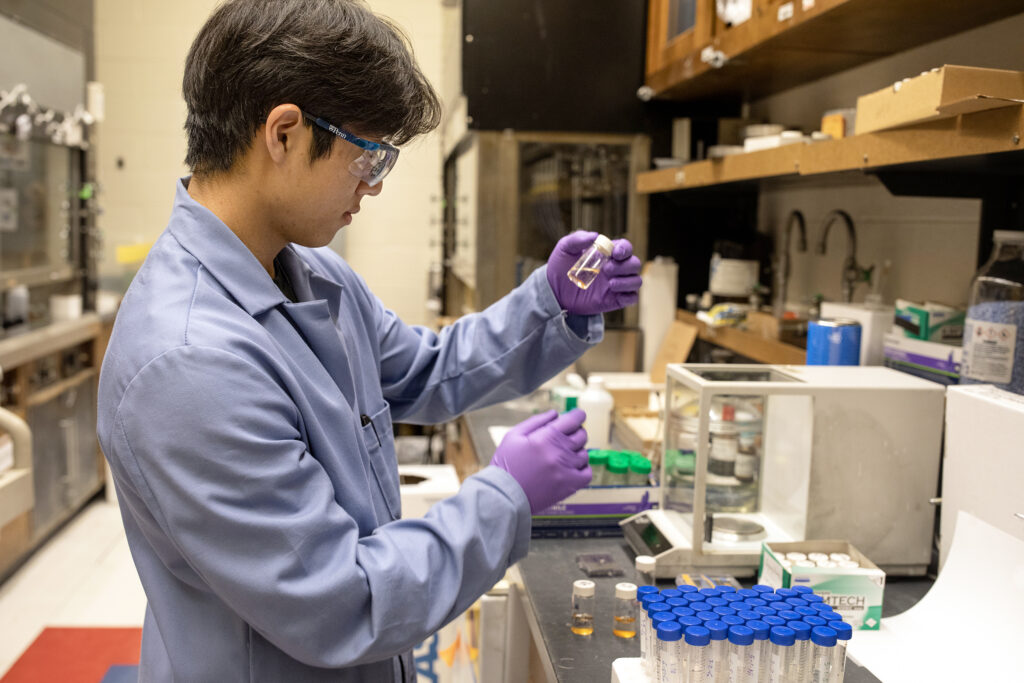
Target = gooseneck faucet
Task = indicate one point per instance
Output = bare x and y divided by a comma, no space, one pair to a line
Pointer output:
852,272
782,268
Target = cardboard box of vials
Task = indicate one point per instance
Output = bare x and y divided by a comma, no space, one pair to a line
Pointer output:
855,593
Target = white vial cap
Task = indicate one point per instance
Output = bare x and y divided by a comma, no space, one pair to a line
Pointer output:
645,563
804,563
603,245
817,557
838,557
826,564
794,556
625,591
1015,236
849,564
583,588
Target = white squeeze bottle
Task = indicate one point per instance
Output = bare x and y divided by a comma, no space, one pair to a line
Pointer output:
597,403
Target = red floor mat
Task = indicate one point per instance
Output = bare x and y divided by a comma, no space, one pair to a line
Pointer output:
75,655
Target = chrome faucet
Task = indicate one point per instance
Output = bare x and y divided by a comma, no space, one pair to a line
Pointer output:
782,267
852,272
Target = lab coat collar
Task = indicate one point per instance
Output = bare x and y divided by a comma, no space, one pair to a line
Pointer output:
227,258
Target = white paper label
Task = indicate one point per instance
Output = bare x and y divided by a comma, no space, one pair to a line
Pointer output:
8,209
988,351
786,12
808,5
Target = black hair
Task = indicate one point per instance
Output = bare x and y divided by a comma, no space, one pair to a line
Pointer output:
335,59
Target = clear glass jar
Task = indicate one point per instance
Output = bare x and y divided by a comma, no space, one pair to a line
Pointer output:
994,330
645,570
624,623
585,271
583,607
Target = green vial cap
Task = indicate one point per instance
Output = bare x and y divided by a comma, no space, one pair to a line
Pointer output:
640,464
570,402
618,464
598,457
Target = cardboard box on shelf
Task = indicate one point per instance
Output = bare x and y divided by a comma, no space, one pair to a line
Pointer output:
930,321
931,360
855,593
936,94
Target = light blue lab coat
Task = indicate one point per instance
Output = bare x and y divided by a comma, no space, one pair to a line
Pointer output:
251,447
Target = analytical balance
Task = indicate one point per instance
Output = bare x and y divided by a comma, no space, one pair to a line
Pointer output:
755,453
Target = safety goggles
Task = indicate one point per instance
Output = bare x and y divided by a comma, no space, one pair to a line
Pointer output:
377,159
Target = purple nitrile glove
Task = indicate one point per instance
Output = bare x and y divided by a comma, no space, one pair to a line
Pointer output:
616,285
546,454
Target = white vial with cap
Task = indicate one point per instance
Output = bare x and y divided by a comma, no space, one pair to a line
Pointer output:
795,556
645,566
817,557
839,557
583,607
624,624
589,264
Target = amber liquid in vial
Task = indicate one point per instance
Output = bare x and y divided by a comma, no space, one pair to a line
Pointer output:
584,277
625,627
582,623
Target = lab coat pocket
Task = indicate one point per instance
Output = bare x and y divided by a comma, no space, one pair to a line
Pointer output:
380,445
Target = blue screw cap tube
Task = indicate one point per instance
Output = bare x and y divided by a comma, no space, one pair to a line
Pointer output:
812,597
667,666
796,602
647,644
787,593
718,661
732,597
677,602
686,588
696,642
761,645
803,590
823,647
773,620
764,611
700,606
641,591
806,611
779,606
843,634
707,616
755,602
761,588
733,620
687,612
748,615
783,641
742,667
821,607
724,611
717,602
670,593
725,588
748,593
800,671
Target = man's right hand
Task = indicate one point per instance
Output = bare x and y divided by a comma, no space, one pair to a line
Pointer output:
546,454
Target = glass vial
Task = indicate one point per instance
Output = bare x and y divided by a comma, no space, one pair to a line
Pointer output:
589,265
583,607
645,567
624,625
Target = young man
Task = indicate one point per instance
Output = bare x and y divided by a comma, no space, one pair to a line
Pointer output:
248,391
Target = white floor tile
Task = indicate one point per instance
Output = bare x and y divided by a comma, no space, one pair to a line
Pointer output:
83,576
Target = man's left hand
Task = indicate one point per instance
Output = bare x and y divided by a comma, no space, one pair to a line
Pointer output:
616,286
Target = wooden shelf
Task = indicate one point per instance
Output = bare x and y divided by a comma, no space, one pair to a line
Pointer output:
753,346
767,56
966,137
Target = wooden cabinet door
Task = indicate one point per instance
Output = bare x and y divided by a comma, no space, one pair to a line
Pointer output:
677,29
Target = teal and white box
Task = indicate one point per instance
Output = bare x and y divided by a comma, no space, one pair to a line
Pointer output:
855,593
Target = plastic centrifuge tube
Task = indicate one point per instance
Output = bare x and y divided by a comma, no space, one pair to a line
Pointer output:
700,606
843,634
806,611
585,271
763,589
742,664
679,602
669,668
820,606
686,588
748,593
761,645
624,624
823,646
724,611
717,602
755,602
725,588
801,664
732,597
671,593
803,590
647,633
583,607
783,641
813,621
707,616
645,566
717,669
764,612
811,597
748,615
773,620
784,593
779,606
696,644
796,602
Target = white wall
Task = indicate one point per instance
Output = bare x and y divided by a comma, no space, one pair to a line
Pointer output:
140,53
